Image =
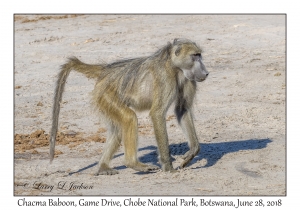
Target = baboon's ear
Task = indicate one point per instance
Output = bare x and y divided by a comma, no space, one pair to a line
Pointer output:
175,41
177,51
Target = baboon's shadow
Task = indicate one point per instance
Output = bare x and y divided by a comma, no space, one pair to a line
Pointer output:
212,152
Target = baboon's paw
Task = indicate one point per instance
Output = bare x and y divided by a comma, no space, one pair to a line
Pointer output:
168,168
144,167
171,171
187,157
107,172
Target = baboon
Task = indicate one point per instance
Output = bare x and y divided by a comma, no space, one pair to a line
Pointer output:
145,83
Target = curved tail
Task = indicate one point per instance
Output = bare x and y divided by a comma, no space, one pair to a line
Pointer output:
90,71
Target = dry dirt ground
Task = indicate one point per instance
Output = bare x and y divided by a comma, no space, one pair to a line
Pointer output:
239,110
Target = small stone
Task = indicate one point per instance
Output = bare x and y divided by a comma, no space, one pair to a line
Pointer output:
277,74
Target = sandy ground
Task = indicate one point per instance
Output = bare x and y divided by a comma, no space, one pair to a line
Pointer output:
239,111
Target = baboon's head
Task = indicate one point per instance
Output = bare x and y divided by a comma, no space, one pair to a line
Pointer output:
186,55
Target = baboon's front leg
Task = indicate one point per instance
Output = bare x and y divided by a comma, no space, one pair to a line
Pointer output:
188,128
159,124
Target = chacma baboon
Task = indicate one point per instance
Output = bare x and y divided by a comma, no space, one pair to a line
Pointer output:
146,83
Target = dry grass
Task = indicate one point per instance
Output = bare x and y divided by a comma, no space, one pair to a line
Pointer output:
39,138
35,18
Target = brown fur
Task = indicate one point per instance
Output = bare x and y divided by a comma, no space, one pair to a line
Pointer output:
147,83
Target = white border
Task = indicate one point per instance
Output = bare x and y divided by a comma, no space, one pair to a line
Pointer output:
153,6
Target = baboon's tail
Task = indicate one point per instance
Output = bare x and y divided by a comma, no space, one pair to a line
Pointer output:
90,71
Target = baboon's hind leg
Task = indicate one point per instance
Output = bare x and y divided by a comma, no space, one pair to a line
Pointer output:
111,146
121,115
130,138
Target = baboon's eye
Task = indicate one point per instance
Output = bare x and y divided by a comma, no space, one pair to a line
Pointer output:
197,56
